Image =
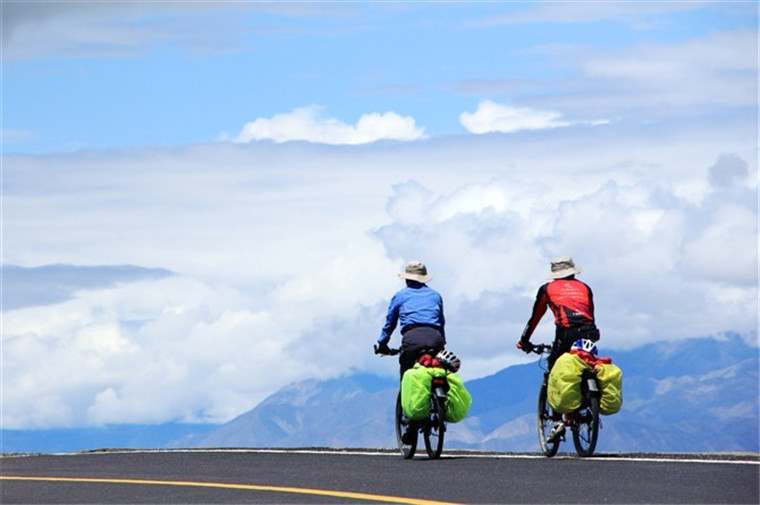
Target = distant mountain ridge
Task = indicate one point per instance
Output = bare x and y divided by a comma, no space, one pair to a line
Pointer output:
698,395
690,396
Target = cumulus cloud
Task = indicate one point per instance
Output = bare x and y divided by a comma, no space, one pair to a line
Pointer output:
284,258
307,123
725,250
183,349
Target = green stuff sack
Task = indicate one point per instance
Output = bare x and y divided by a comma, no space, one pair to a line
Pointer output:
564,391
415,392
610,379
458,399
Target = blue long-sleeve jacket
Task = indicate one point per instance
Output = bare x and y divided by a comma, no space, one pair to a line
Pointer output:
415,304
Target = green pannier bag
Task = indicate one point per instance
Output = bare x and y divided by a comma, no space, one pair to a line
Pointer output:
610,379
458,399
564,390
415,392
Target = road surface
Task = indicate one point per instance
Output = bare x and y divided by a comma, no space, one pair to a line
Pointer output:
256,476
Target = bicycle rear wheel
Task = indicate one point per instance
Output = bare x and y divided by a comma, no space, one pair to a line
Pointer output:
435,428
402,424
545,424
586,429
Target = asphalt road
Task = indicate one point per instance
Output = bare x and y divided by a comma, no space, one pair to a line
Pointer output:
229,476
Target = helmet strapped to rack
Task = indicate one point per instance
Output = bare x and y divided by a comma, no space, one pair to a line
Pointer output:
449,360
584,344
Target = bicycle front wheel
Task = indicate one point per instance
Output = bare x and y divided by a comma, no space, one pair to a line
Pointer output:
545,424
586,429
435,428
403,424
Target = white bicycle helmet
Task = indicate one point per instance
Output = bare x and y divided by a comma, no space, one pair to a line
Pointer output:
583,344
449,360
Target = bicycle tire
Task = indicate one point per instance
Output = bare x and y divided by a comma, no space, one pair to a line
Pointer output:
407,450
545,424
435,428
586,429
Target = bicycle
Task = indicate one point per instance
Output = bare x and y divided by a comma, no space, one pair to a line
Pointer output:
433,427
583,421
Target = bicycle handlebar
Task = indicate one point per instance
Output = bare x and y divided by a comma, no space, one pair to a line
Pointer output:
386,351
541,349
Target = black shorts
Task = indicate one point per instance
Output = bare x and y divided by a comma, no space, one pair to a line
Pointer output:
415,341
564,338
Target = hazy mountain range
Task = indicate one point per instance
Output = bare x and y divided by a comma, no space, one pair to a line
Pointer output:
698,395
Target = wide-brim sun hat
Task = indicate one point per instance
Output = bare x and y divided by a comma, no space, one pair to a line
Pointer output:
416,271
563,266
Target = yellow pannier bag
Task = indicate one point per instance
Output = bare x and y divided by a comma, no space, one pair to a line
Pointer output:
610,379
458,399
415,392
564,390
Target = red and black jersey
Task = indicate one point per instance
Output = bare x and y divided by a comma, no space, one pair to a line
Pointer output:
571,301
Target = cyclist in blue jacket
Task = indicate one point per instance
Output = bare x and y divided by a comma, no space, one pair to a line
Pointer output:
418,309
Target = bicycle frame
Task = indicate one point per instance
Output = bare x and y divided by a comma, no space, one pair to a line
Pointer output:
433,427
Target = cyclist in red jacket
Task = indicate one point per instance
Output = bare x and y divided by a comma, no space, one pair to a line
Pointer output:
572,303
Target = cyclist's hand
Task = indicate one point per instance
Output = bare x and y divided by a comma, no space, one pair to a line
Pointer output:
382,349
525,346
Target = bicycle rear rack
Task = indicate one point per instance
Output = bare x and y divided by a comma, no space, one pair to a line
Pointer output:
440,386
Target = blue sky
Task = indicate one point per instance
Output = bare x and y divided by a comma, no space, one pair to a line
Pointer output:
193,187
84,75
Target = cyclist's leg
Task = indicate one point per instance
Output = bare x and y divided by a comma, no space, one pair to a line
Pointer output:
563,341
405,361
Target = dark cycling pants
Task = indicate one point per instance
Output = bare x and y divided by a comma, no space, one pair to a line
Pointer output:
564,338
416,340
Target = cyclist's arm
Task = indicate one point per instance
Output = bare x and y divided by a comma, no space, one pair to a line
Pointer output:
391,320
539,309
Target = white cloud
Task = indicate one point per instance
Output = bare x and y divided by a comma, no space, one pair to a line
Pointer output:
494,117
306,123
725,250
285,257
724,65
705,78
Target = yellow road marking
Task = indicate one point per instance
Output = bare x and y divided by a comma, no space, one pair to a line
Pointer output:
249,487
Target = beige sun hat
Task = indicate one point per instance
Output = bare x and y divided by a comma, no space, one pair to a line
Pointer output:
416,271
563,266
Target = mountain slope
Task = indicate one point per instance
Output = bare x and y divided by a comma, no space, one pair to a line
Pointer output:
346,412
